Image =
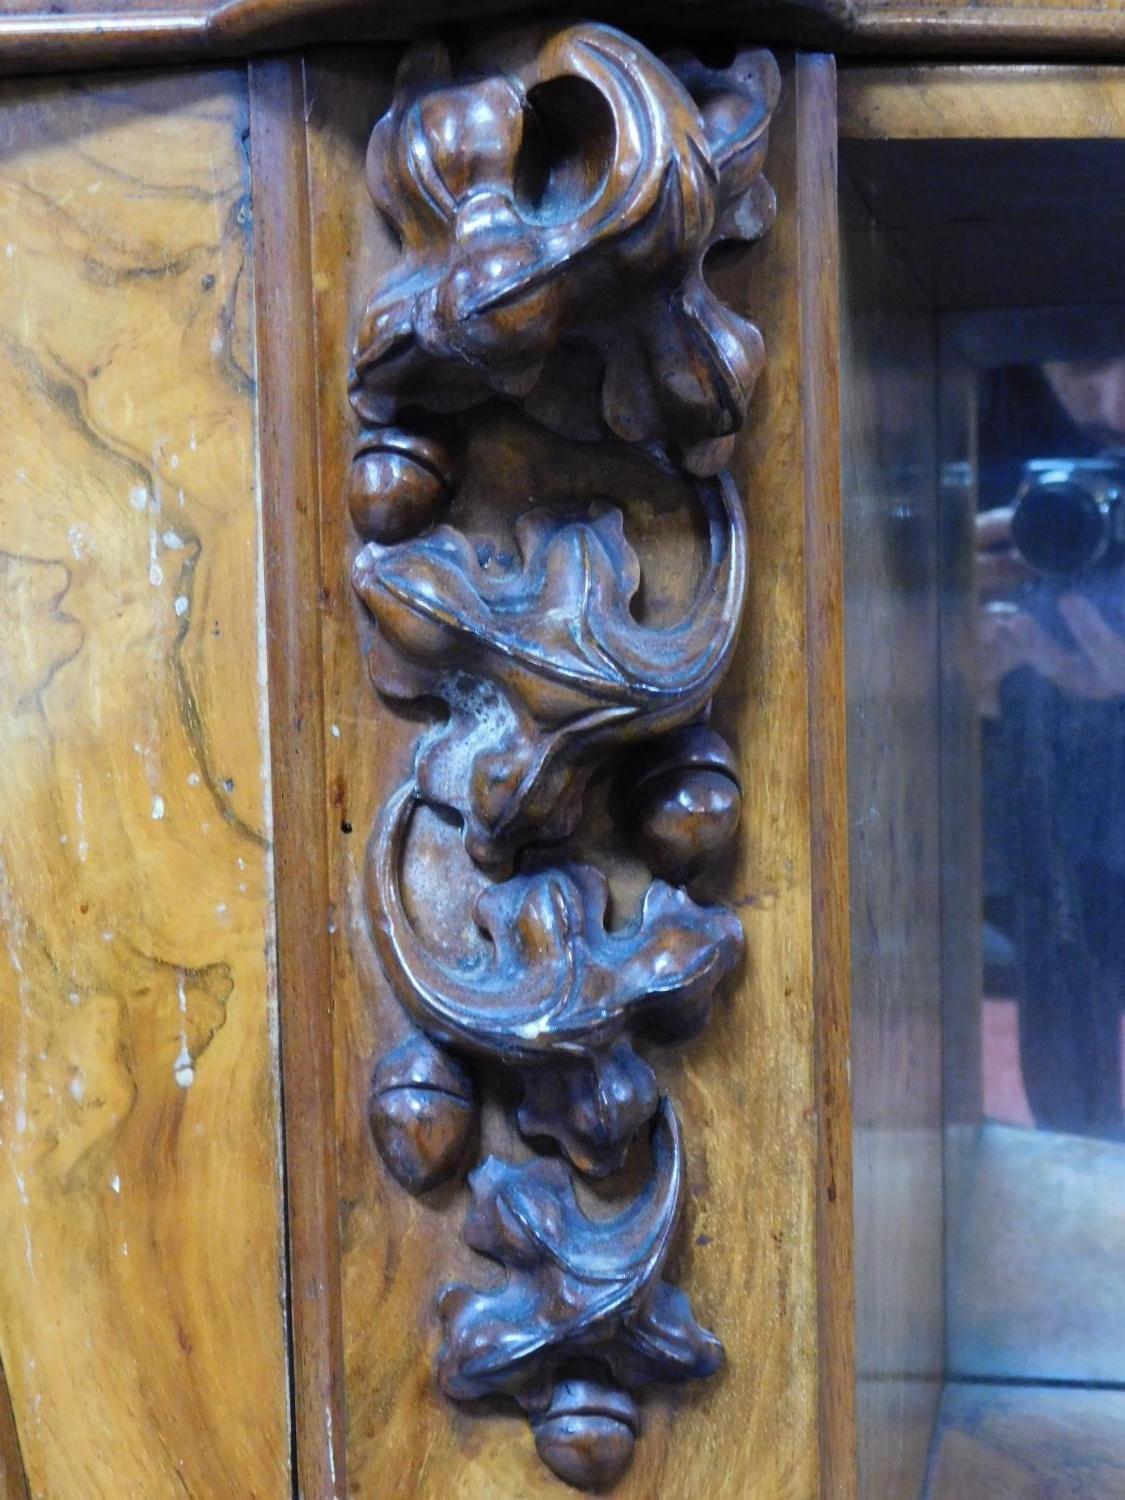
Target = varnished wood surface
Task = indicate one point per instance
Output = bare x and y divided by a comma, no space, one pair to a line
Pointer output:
39,37
746,1088
291,515
142,1322
998,1442
960,102
891,602
828,807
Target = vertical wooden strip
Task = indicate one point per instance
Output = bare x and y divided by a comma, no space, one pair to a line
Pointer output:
289,477
828,808
13,1478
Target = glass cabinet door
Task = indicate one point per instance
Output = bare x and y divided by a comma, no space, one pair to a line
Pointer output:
983,219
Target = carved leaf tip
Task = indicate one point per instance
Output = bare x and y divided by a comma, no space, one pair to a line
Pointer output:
558,995
576,1288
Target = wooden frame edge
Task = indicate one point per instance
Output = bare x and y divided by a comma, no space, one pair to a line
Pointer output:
289,477
820,418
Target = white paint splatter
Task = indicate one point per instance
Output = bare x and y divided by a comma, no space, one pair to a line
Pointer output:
193,778
182,1069
173,542
76,1086
155,571
138,497
182,605
157,809
115,1183
81,544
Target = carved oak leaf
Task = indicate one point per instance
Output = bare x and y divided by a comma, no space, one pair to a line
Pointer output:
543,667
555,994
576,1288
568,203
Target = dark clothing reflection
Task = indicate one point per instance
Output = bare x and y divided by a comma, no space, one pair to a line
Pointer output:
1054,808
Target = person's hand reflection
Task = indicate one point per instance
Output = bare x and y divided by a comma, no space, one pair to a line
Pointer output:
1009,637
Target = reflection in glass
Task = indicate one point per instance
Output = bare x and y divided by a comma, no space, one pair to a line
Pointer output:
1051,637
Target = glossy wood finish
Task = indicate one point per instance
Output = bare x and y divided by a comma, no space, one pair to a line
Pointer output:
291,517
142,1319
891,603
38,37
747,1088
555,211
1019,1443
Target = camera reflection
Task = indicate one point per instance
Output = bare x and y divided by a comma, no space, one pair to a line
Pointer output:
1050,536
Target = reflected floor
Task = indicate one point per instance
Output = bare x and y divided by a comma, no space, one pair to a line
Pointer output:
997,1442
1035,1256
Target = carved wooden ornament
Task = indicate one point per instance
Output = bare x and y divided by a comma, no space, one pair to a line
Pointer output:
556,199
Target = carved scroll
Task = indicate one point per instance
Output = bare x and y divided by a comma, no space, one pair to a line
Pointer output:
556,202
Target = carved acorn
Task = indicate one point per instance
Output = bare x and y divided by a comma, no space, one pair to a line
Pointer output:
423,1113
400,482
685,801
586,1435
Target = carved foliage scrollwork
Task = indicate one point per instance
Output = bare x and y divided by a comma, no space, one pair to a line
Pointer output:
556,199
542,666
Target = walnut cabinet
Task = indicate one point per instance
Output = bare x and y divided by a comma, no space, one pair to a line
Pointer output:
491,862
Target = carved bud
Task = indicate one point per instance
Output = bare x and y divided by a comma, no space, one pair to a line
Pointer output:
423,1113
399,483
586,1436
685,801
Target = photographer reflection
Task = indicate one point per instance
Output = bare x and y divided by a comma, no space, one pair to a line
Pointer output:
1051,579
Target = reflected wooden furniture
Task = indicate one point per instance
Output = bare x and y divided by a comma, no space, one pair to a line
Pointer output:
212,1284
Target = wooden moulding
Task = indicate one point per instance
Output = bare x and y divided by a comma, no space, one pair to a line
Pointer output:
290,501
985,102
828,800
35,37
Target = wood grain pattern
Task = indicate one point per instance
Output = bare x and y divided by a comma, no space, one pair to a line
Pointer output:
141,1305
746,1088
1028,1443
828,807
289,478
961,102
891,599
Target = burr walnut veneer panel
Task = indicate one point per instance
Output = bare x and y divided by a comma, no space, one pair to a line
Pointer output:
142,1321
